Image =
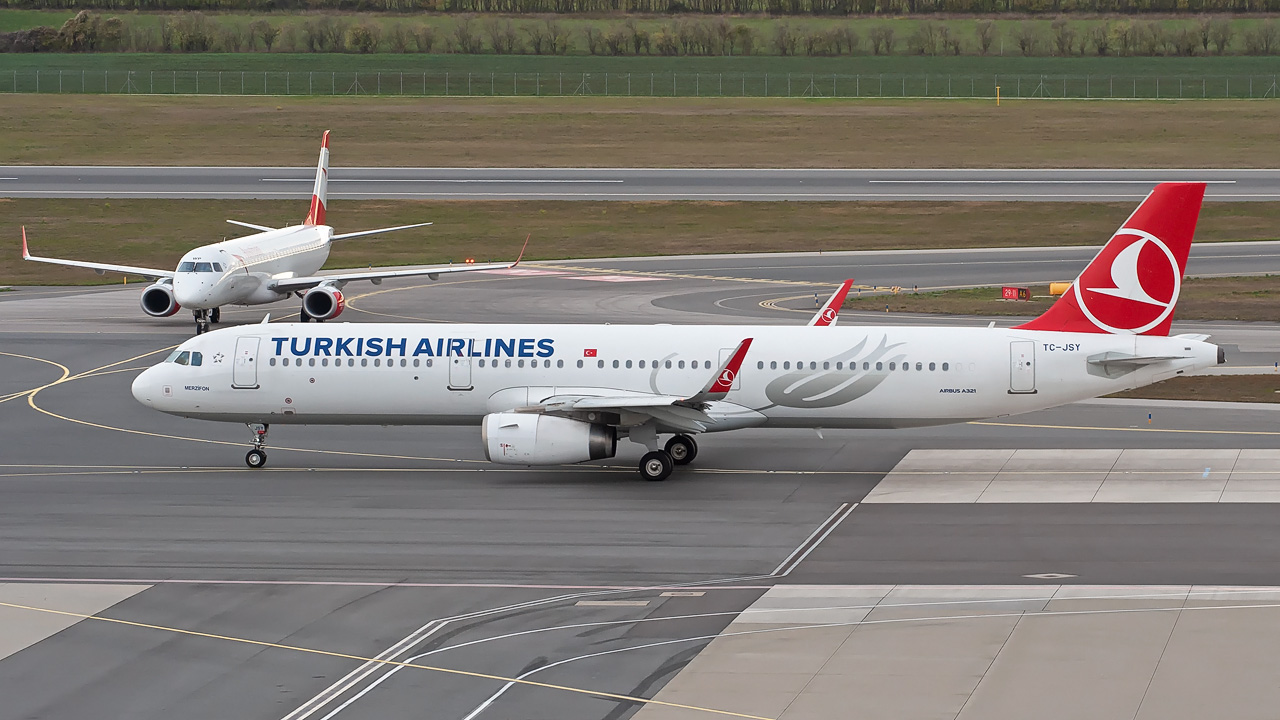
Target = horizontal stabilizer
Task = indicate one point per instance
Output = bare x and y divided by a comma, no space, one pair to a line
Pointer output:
362,233
251,226
1115,358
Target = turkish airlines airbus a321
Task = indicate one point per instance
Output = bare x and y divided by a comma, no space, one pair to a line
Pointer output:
554,394
262,268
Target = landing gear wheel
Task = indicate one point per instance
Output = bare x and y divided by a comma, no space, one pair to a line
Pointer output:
255,459
215,316
682,449
202,321
656,465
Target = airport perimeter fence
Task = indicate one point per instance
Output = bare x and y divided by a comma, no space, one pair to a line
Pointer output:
774,85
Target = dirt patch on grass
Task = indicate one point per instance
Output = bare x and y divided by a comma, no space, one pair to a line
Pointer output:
1224,388
622,132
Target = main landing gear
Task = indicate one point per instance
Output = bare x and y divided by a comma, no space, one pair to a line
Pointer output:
257,457
657,465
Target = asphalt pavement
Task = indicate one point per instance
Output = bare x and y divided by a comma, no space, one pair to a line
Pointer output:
627,183
379,572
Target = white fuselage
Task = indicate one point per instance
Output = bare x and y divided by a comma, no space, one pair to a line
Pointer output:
248,266
828,377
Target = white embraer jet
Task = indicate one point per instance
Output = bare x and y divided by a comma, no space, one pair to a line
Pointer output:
265,267
553,394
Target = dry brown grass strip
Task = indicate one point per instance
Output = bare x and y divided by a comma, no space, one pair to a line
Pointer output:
155,233
622,132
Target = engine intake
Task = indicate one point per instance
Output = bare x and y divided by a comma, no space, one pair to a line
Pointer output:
536,439
323,303
158,301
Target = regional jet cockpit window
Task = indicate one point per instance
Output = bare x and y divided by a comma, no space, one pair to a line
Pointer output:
204,267
185,357
217,267
186,267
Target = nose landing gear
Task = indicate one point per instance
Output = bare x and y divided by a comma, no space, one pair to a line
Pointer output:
257,457
202,321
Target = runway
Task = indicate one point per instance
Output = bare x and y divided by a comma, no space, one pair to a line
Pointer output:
374,572
633,184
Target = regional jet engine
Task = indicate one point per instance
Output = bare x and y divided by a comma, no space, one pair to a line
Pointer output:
158,300
536,439
323,303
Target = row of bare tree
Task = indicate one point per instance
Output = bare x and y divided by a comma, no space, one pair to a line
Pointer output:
685,36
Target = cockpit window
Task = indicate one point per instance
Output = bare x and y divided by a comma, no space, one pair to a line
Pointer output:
204,267
173,356
183,358
217,267
186,267
197,359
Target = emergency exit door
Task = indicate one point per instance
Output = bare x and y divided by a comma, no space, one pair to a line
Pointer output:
244,371
1022,366
460,371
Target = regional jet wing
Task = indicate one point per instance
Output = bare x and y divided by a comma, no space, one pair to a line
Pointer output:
100,268
338,278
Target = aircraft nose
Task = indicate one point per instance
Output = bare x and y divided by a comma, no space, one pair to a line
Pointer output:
146,387
189,293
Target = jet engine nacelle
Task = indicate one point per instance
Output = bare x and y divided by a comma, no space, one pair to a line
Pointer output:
158,300
535,439
323,303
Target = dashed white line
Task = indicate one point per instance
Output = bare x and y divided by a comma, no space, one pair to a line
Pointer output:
440,180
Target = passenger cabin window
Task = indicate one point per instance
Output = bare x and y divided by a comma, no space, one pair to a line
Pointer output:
186,267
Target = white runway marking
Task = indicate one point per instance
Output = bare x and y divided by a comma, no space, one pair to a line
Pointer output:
615,278
441,180
814,540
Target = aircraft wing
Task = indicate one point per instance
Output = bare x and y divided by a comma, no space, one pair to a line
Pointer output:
100,268
676,412
342,277
671,411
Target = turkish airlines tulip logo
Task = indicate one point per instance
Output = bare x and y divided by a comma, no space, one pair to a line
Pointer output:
1132,286
726,377
829,314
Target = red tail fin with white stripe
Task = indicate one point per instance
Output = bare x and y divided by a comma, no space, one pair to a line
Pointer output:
1132,286
315,216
